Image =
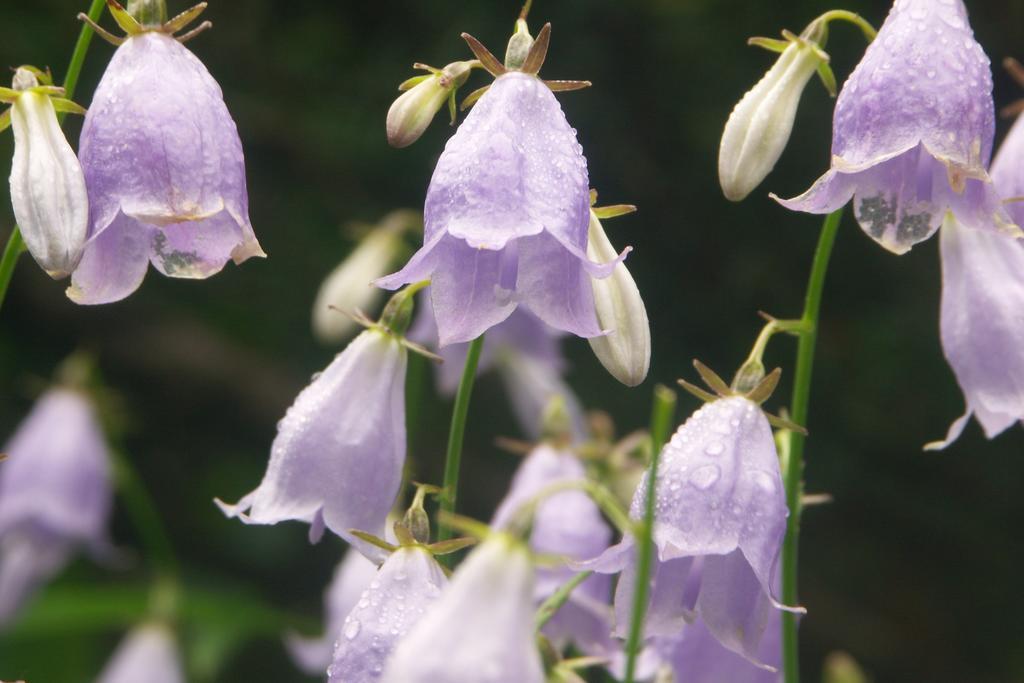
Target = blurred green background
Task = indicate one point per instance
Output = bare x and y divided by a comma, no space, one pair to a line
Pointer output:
914,568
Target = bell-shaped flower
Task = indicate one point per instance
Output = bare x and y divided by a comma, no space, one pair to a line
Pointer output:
982,312
164,169
338,456
525,352
349,287
719,502
55,494
413,111
149,653
353,574
482,626
625,351
695,656
759,127
506,216
568,524
912,132
405,587
47,184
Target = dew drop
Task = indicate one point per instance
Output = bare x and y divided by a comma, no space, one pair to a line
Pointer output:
352,629
714,448
705,477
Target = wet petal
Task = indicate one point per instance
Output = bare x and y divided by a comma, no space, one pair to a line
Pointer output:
114,263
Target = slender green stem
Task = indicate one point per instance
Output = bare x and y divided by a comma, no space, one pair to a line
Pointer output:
661,422
144,516
852,17
15,244
549,607
794,464
453,458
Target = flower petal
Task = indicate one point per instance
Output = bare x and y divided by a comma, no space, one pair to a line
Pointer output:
114,263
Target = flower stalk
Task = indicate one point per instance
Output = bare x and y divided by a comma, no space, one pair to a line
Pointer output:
795,465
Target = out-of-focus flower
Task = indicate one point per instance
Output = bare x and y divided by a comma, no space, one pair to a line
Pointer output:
913,130
47,184
525,351
408,583
506,218
759,127
55,494
482,626
625,351
413,111
349,287
164,169
149,653
352,576
568,524
338,456
720,501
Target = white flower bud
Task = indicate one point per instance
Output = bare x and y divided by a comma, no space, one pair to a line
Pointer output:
759,127
349,287
47,184
626,350
413,111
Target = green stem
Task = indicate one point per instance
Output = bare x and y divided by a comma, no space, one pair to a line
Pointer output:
794,465
852,17
453,458
549,607
144,516
661,422
15,244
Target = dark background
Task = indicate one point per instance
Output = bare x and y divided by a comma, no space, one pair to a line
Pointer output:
914,569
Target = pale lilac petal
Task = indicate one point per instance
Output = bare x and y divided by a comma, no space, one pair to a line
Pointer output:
340,448
114,263
696,656
982,322
28,560
408,583
480,629
148,654
671,601
733,604
353,574
555,287
199,249
1008,170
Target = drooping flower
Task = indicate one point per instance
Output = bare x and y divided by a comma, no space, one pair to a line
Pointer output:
413,111
525,352
567,524
149,653
482,626
506,215
55,494
913,129
625,351
719,502
47,185
760,125
338,456
353,574
408,583
164,169
349,287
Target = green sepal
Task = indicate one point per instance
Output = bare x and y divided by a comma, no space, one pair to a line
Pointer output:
567,86
538,51
782,423
452,107
62,104
184,19
48,90
711,378
487,59
373,540
696,391
452,545
126,21
828,78
766,387
613,211
9,95
770,44
411,83
472,97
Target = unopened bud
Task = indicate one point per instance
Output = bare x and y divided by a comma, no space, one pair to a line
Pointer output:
626,350
759,127
411,113
47,184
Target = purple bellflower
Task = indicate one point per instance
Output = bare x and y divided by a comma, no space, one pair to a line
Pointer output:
720,503
506,213
982,315
569,524
353,574
912,132
406,585
338,456
55,494
481,628
525,351
149,653
164,170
